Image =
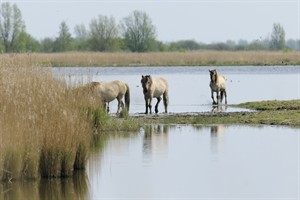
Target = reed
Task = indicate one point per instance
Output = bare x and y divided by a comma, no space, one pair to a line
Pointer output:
44,132
192,58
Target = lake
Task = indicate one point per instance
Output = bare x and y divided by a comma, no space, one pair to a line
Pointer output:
189,86
180,162
185,161
198,162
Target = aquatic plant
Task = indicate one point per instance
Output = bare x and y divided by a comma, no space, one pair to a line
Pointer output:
44,132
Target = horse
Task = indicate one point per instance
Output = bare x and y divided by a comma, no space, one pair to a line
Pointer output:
155,88
108,91
217,84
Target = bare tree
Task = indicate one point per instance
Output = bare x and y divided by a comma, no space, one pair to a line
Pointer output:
11,25
104,32
138,31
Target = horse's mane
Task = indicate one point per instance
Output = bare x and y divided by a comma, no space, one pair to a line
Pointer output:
150,80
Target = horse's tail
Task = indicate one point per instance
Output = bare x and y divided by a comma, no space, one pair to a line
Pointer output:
127,97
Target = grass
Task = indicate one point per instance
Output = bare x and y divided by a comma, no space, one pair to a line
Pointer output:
274,112
192,58
44,132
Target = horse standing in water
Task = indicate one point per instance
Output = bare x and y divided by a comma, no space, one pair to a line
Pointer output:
108,91
217,84
155,88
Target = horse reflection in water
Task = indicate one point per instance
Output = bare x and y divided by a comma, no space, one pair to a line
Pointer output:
155,88
155,139
219,108
109,91
217,135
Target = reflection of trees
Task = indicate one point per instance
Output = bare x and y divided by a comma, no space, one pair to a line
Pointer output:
217,134
155,138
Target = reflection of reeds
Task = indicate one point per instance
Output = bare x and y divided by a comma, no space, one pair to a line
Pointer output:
43,129
194,58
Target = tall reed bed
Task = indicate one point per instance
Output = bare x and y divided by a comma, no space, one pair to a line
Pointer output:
194,58
44,130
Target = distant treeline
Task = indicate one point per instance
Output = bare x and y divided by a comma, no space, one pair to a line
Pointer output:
134,33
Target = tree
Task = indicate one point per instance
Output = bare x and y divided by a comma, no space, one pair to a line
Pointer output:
277,37
26,43
138,31
64,40
11,25
47,45
104,32
80,42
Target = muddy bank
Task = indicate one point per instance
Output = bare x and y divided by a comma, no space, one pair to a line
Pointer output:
264,112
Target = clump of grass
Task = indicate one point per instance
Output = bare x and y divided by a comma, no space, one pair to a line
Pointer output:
44,132
273,105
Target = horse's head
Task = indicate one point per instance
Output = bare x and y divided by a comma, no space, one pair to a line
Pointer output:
146,83
213,75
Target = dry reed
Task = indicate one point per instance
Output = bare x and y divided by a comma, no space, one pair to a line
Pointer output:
44,131
194,58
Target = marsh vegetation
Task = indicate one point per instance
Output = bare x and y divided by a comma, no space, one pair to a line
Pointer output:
47,127
191,58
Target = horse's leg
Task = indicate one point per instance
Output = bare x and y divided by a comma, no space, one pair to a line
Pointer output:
107,107
218,97
146,105
150,105
120,104
212,96
225,94
156,106
166,101
221,96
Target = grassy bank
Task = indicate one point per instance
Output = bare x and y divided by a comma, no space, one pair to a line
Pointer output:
195,58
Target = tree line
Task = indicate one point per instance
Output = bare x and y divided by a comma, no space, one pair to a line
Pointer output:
134,33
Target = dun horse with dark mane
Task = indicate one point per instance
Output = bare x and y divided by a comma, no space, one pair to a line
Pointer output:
108,91
218,85
155,88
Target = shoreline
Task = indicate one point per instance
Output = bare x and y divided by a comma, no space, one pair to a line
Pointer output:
273,112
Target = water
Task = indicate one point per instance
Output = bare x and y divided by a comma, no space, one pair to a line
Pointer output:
181,162
185,161
189,86
196,162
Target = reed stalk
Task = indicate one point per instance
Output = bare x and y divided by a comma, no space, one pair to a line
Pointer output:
44,132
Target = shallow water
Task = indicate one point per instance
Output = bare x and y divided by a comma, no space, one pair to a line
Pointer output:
189,86
181,162
195,162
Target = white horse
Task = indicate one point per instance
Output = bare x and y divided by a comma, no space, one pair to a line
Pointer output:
217,84
155,88
108,91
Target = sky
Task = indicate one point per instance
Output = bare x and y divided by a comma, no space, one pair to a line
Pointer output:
206,21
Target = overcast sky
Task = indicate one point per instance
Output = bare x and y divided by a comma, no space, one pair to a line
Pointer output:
202,20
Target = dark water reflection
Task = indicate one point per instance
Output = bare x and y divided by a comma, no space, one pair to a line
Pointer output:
189,86
67,188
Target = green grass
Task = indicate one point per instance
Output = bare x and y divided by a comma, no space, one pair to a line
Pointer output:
272,105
